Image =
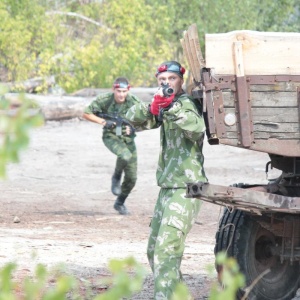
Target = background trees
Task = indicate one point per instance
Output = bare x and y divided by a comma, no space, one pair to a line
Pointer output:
87,43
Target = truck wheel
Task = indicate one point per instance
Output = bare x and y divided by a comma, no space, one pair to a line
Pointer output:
250,244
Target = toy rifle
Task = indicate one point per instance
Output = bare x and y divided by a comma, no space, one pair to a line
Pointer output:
117,120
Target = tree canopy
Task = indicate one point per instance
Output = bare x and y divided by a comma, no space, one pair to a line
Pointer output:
87,43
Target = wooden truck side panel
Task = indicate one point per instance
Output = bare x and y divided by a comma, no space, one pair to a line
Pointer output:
250,84
269,112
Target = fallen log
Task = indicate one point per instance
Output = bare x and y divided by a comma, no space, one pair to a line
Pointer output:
57,108
53,107
144,94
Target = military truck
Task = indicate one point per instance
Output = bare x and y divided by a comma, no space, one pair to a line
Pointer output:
249,88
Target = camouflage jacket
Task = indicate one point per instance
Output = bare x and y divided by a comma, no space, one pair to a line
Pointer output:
105,103
181,139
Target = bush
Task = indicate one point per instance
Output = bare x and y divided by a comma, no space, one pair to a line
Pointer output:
15,125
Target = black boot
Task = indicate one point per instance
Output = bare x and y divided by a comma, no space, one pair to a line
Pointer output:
116,184
119,205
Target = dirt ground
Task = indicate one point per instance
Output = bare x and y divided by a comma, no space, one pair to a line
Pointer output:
56,205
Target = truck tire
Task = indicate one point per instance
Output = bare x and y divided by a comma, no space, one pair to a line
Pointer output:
249,243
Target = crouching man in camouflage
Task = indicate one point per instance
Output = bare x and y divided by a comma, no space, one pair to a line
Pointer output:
181,160
122,144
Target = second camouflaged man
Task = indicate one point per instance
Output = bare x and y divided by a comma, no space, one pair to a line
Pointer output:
121,143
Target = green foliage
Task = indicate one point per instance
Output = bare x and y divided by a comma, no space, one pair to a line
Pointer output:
128,45
14,129
181,292
6,284
123,283
128,276
231,280
89,43
127,279
27,40
33,288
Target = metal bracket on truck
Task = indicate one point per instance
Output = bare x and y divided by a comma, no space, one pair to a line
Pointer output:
255,199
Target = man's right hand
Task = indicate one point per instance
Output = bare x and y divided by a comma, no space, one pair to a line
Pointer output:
160,102
109,124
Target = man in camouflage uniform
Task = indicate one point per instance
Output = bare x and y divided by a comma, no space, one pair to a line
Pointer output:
117,103
180,161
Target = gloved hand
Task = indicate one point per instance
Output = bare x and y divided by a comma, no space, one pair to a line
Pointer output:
160,102
109,125
126,130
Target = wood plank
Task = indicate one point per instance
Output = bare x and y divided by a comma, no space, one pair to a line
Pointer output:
265,99
267,127
188,53
264,53
267,135
283,128
185,53
274,115
196,54
274,99
192,51
278,87
238,59
194,35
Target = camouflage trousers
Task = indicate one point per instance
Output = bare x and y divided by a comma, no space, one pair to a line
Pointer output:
125,150
173,218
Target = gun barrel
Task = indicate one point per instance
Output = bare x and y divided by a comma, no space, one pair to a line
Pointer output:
167,90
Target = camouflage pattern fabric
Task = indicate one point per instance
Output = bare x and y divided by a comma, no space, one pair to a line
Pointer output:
173,218
180,161
105,103
122,146
126,160
181,135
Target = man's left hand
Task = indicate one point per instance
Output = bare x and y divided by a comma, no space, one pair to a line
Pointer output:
160,102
